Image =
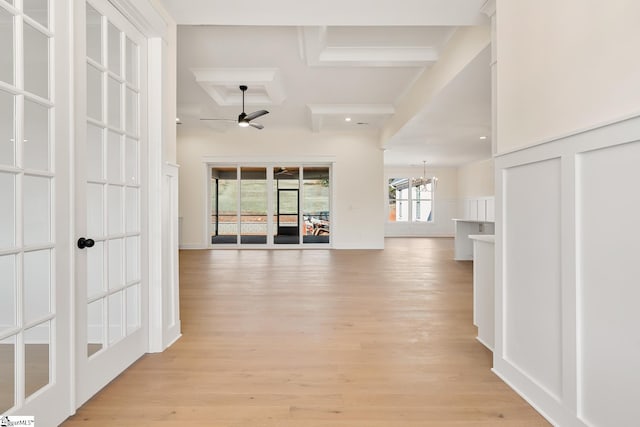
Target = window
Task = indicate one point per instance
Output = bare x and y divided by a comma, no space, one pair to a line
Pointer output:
411,199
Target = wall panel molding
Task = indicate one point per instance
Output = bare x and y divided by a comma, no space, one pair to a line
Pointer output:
608,342
566,275
532,299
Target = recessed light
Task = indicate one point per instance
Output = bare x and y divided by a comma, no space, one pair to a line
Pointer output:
347,119
483,137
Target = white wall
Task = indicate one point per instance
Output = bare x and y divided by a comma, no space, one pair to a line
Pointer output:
358,213
445,204
476,191
476,179
564,66
566,240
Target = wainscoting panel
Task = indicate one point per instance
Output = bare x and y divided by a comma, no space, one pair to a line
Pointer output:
609,285
568,276
532,292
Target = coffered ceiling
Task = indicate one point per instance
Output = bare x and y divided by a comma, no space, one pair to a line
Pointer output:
336,65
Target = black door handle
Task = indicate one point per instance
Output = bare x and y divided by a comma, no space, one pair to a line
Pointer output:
85,243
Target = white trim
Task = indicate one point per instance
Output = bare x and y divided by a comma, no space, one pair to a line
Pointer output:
195,246
144,15
568,135
171,324
531,402
175,339
206,231
481,341
154,162
269,160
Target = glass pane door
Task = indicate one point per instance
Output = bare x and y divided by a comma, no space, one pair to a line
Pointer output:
112,184
224,205
110,170
27,242
34,288
287,202
317,224
253,205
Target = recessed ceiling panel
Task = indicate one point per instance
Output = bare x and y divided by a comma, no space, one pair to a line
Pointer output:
223,85
372,46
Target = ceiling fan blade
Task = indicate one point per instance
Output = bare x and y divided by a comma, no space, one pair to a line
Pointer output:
222,120
255,115
256,125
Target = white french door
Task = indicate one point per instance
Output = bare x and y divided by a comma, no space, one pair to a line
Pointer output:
112,288
34,211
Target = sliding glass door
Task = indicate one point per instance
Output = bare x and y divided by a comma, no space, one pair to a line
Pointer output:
286,185
253,205
224,206
243,211
316,205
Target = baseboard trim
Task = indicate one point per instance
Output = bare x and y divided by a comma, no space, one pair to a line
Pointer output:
395,235
192,246
175,339
484,344
524,396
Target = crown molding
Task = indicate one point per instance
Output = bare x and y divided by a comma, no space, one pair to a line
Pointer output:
145,16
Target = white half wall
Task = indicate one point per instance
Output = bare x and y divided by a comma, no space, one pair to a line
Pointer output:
445,205
358,212
567,276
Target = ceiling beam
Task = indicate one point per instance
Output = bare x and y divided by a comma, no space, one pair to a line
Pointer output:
328,12
465,45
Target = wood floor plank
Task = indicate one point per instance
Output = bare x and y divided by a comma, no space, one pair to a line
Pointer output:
318,338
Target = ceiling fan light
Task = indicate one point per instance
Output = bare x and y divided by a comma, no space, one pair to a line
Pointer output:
243,124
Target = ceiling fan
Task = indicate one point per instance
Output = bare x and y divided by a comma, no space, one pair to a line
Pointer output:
283,171
244,119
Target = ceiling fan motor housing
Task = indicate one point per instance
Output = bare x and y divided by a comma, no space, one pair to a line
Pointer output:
244,119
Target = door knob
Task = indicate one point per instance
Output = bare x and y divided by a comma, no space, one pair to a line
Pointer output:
85,243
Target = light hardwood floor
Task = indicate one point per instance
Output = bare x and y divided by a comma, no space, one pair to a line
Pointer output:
318,338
